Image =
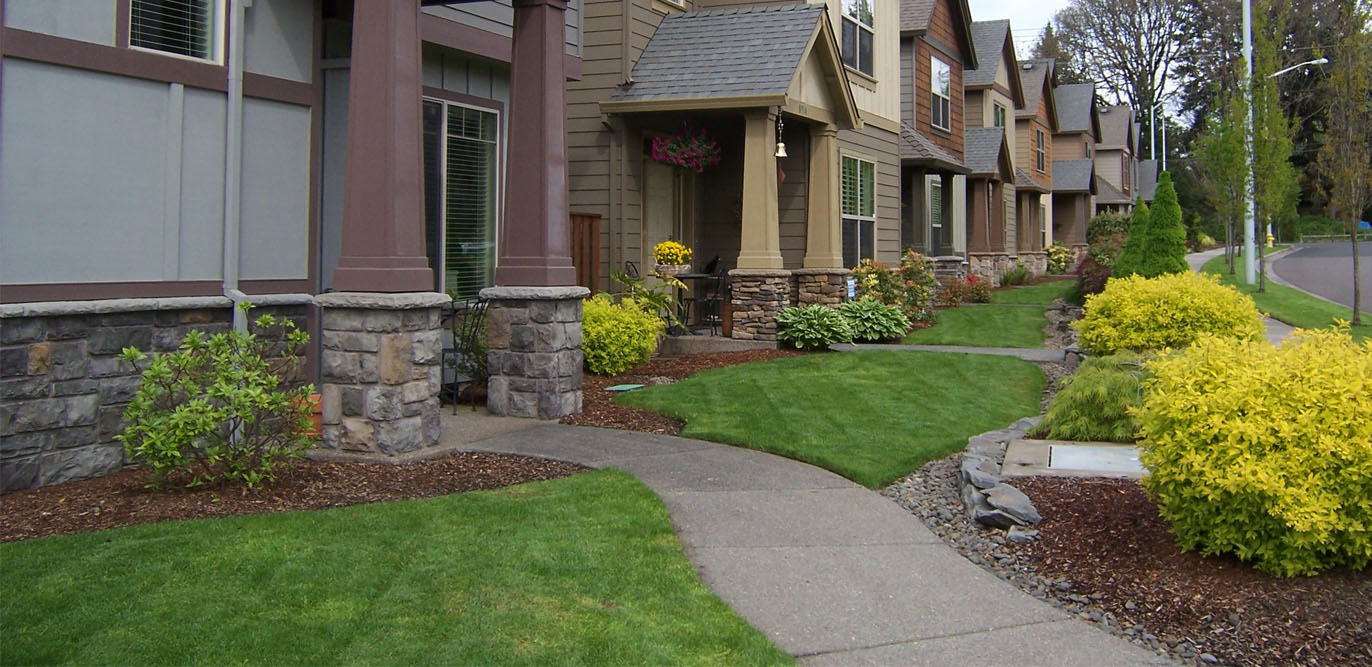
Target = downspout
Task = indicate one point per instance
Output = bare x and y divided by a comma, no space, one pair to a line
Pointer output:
233,162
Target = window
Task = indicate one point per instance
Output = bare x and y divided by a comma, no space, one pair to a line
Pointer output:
940,86
1086,148
183,27
460,195
1127,170
1040,152
858,30
859,210
998,114
1043,227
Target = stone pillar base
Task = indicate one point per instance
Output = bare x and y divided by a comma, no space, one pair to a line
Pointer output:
1036,262
759,295
949,267
826,286
381,368
534,339
990,265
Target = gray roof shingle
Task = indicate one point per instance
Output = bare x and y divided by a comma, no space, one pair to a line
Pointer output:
723,53
1032,74
916,147
1107,193
989,38
982,146
1074,175
1023,181
1074,106
915,15
1115,123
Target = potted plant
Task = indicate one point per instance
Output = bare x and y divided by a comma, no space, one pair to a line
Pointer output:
688,150
672,258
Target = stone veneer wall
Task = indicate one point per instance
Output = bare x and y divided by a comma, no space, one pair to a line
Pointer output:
758,297
1036,262
949,267
63,388
381,371
990,265
826,286
533,335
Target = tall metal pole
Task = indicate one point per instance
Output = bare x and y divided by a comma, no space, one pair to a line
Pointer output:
1164,142
1250,230
1153,135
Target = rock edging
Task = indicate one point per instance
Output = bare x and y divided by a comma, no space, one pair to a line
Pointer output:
989,499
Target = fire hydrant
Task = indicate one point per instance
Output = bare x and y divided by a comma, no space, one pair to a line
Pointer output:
1270,239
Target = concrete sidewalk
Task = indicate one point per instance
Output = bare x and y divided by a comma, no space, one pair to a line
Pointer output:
831,572
1277,331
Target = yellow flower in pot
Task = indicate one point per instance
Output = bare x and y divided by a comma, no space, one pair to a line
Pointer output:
672,258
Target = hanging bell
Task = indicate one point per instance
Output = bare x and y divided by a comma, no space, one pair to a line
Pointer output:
781,149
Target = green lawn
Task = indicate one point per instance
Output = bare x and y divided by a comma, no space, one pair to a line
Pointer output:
1288,305
582,570
1042,293
871,416
987,325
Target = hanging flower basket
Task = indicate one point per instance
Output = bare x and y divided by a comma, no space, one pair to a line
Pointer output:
688,150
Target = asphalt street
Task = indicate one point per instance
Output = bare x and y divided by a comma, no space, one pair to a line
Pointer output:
1326,269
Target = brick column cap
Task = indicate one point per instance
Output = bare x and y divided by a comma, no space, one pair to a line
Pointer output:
821,272
382,300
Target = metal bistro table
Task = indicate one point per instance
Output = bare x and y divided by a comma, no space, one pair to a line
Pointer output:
708,301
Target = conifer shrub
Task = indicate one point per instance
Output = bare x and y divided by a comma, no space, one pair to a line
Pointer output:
617,336
1096,402
871,321
1172,310
1264,452
815,326
1130,259
1157,237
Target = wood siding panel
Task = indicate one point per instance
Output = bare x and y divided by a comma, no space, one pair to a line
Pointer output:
1071,145
951,141
883,148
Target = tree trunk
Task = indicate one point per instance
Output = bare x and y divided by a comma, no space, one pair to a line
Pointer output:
1229,245
1357,292
1261,242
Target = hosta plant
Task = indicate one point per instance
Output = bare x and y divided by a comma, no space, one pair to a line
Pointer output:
871,321
219,408
815,326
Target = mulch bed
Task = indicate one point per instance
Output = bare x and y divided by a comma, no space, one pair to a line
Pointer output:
599,409
1106,538
121,499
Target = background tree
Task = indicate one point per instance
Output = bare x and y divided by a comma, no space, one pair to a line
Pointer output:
1344,163
1223,163
1048,46
1157,239
1130,260
1276,188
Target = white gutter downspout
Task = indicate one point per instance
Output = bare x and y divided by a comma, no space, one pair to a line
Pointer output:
233,162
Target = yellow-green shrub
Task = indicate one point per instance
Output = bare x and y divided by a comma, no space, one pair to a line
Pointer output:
1264,452
1173,310
617,336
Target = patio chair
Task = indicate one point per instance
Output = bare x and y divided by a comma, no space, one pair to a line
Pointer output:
708,300
467,356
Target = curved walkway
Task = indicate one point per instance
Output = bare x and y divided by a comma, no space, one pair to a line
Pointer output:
1276,329
831,572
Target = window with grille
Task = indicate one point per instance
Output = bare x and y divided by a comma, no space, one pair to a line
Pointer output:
461,189
183,27
859,210
999,115
858,31
940,85
1040,151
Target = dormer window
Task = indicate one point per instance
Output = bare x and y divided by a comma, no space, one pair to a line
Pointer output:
940,100
858,31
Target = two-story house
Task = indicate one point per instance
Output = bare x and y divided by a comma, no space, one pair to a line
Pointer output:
935,50
1035,123
1074,147
1117,160
992,92
164,160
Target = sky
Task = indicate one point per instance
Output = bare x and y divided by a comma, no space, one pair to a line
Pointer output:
1027,17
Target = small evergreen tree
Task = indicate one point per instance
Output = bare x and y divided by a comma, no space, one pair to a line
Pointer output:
1157,238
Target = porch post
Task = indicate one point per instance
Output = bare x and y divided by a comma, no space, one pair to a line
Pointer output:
760,245
383,217
824,219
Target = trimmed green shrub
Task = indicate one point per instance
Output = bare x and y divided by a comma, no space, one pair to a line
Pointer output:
910,287
219,408
617,336
1095,403
973,289
1173,310
814,326
1130,259
1264,452
871,321
1060,258
1106,224
1016,276
1157,238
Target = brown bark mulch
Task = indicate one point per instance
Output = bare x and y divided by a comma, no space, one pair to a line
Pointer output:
122,499
599,409
1105,536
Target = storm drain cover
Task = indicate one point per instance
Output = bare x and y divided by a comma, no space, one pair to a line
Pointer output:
1118,458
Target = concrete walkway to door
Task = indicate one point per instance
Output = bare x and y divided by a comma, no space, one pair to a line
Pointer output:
830,571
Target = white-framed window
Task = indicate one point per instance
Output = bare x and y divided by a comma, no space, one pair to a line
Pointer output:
998,113
461,194
859,29
935,213
1043,227
188,28
941,94
1040,152
859,210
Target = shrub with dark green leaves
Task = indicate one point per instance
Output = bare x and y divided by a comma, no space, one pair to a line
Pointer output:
219,408
1106,224
1015,276
871,321
1095,403
815,326
617,336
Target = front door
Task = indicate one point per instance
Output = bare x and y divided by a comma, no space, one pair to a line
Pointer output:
665,208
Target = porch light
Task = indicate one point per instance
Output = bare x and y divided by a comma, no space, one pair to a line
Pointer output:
781,145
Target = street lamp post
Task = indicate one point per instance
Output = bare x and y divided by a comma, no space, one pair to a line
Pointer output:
1152,135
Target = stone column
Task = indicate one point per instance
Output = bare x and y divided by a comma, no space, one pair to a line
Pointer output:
826,286
535,248
534,342
381,371
759,295
383,215
824,217
760,245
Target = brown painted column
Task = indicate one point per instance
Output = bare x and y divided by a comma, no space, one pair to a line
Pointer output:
997,206
760,246
824,219
383,213
535,249
978,223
